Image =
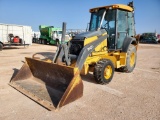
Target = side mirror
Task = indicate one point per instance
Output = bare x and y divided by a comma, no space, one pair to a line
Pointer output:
87,29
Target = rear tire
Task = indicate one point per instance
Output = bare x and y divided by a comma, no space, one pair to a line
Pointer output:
57,42
40,41
104,71
36,40
43,41
130,60
1,46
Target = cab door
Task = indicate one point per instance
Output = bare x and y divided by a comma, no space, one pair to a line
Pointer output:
122,28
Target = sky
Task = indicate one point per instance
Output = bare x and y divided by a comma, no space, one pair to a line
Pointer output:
74,12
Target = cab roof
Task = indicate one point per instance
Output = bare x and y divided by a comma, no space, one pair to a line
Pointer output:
115,6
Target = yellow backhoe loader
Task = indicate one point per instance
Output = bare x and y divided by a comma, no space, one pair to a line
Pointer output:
109,44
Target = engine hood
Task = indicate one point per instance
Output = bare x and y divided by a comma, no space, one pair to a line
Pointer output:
89,34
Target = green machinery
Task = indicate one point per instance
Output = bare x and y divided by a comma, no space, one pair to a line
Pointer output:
51,35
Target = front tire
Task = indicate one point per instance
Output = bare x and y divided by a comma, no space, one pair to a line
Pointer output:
1,46
104,71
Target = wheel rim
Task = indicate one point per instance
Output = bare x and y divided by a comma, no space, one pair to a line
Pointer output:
132,59
108,72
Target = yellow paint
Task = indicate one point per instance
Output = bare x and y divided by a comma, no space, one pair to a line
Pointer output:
118,64
74,82
85,69
132,59
118,59
75,69
108,72
115,6
123,57
92,60
112,58
116,53
89,40
95,59
101,47
99,53
89,61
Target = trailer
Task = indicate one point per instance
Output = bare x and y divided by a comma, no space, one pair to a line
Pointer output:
15,35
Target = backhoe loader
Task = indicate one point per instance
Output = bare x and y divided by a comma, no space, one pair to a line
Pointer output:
109,44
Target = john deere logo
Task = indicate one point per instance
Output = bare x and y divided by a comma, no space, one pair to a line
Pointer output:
90,48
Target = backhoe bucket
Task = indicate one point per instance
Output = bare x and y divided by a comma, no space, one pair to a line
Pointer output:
49,84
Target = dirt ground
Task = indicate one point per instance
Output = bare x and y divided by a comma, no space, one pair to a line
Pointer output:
129,96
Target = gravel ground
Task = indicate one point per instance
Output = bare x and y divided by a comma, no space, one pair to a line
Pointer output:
129,96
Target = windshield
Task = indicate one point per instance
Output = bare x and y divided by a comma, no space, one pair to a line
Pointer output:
59,32
105,19
97,20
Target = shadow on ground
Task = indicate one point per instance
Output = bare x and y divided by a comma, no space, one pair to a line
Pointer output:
88,78
9,48
14,73
49,55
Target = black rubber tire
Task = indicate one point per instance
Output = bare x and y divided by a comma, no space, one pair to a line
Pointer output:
128,68
36,41
39,41
33,40
1,46
45,41
42,41
57,42
99,71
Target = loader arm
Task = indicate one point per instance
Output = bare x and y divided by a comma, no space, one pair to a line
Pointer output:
62,49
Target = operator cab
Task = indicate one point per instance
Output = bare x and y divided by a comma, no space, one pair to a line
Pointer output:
117,20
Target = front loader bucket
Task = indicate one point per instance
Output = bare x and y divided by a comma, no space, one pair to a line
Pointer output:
49,84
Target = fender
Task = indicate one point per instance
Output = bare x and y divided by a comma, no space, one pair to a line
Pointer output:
127,42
